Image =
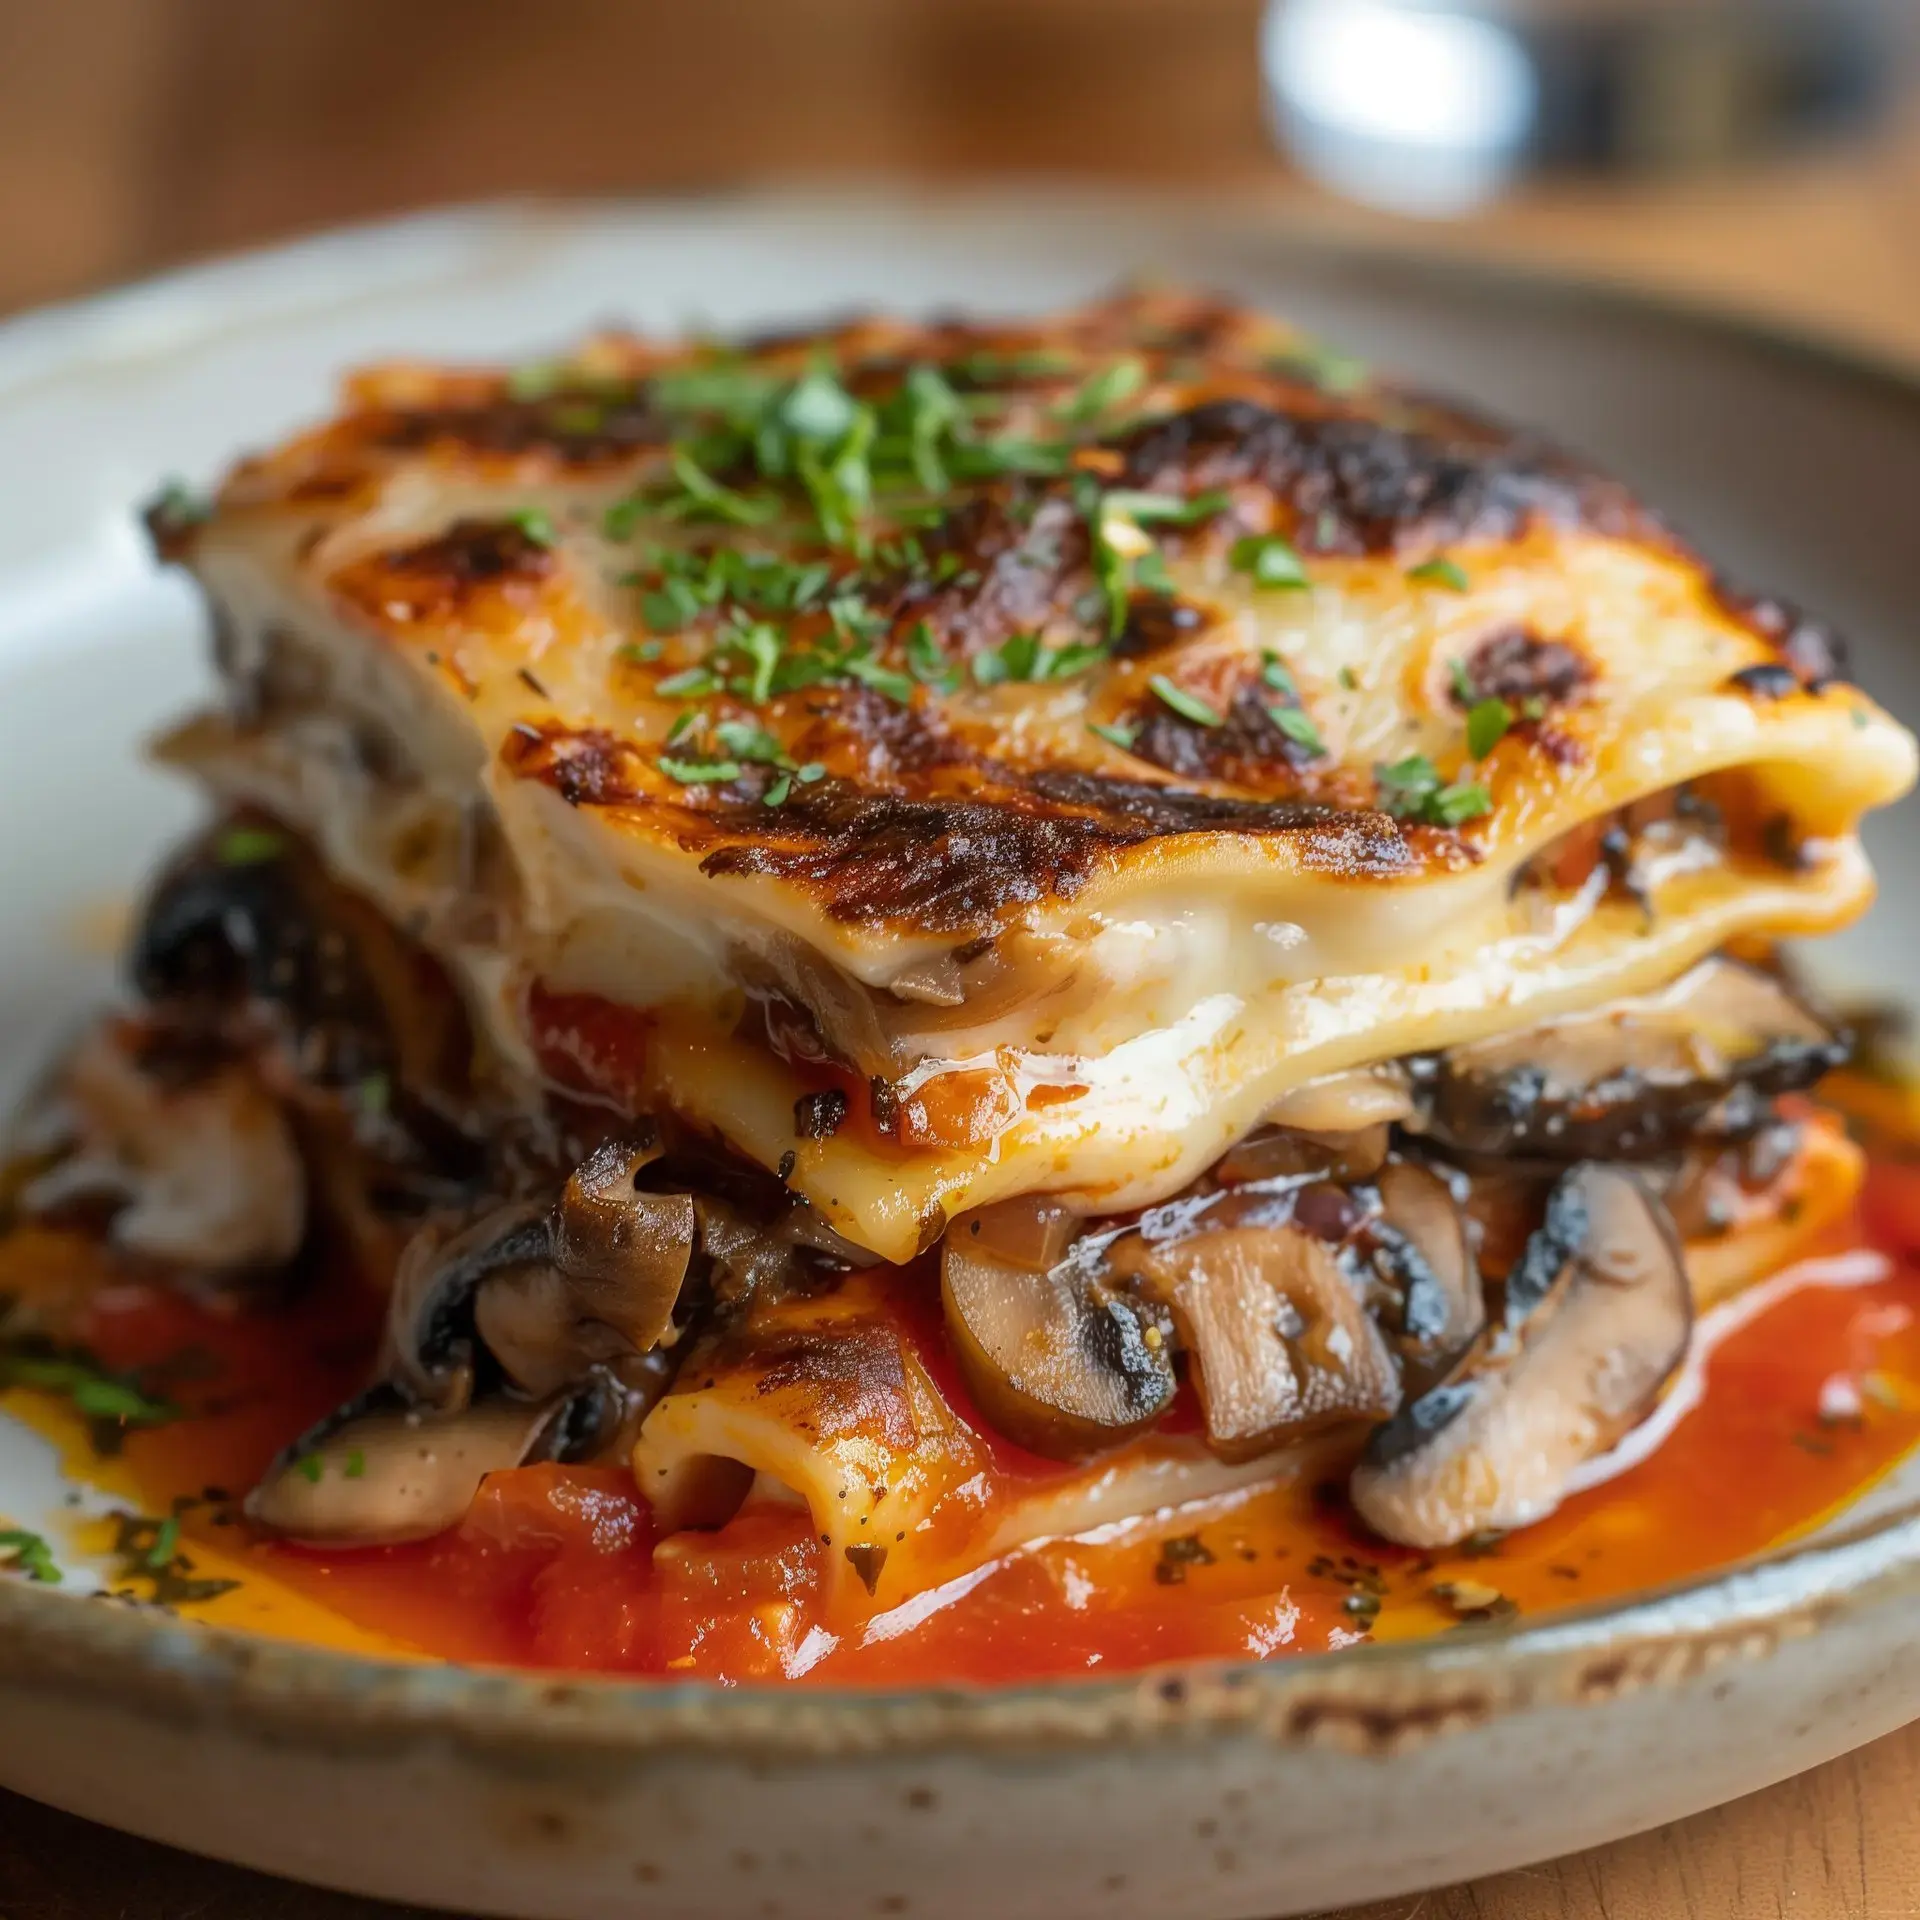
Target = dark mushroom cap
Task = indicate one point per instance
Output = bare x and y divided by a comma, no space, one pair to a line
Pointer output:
1633,1079
1598,1315
1056,1361
430,1319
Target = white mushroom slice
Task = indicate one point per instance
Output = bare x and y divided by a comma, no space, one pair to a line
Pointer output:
1056,1361
204,1174
1281,1340
1345,1102
392,1474
1597,1317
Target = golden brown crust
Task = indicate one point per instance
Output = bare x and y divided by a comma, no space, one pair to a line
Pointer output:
933,625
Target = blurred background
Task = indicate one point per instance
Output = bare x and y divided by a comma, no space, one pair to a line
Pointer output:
1756,153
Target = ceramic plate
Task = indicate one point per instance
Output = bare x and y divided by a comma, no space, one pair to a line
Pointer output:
1254,1790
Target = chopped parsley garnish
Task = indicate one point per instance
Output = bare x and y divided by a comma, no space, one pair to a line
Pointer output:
1102,392
1025,657
98,1394
1464,691
1411,789
1297,724
311,1467
1115,734
149,1550
776,794
927,663
536,379
1324,367
166,1543
533,525
702,497
249,846
1164,509
699,773
355,1465
1271,561
870,672
30,1553
1441,572
1487,724
1014,659
747,740
1150,571
690,683
1273,670
1189,706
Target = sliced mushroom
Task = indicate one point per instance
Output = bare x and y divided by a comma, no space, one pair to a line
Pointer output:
1282,1343
1597,1316
623,1251
198,1164
547,1292
1346,1102
1286,1153
247,920
430,1319
382,1472
1056,1361
1032,1232
1633,1079
1423,1246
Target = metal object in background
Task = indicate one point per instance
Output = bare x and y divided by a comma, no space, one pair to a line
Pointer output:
1431,106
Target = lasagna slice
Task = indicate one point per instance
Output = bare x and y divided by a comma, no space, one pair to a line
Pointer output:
984,927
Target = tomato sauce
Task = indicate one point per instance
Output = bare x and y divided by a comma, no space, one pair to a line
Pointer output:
1800,1406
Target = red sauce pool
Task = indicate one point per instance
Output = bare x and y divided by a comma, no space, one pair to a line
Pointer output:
1805,1404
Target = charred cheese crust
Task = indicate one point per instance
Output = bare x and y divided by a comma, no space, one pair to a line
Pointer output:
448,623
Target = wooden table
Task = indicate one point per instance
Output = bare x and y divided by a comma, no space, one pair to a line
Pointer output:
141,131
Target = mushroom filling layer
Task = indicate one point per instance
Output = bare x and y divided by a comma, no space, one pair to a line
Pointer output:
1478,1266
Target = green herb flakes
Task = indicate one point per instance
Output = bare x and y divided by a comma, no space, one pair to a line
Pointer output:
1270,560
1115,734
30,1554
1411,789
1441,572
249,846
1189,706
699,773
1487,725
692,683
533,525
1298,726
1273,670
1103,391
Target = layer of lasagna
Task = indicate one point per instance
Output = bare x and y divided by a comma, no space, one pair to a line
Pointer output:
978,930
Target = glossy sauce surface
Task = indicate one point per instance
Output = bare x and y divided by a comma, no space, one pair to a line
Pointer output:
1806,1393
